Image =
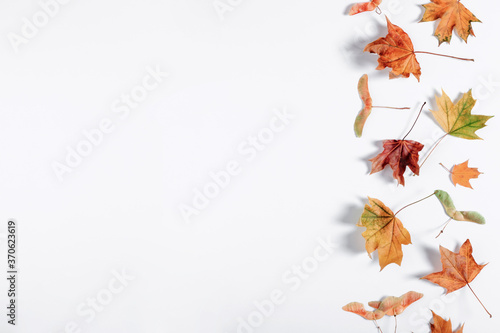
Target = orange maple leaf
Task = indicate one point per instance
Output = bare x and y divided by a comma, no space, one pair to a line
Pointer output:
461,174
442,326
396,51
398,154
364,7
384,232
459,269
453,15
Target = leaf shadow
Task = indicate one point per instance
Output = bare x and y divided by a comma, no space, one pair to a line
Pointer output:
434,257
353,240
355,49
422,11
348,9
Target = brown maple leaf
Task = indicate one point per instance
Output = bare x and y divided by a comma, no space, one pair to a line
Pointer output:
396,51
364,7
459,269
442,326
461,174
453,15
398,154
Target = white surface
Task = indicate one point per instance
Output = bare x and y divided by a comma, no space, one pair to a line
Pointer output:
119,209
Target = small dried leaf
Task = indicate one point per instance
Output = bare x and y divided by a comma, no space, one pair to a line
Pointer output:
462,174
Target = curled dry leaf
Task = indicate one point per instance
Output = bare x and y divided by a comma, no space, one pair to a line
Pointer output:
364,94
456,119
452,212
398,154
442,326
453,15
389,306
364,7
396,51
384,232
461,174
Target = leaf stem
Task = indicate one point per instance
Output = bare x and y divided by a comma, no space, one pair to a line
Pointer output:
444,55
395,324
378,327
441,164
390,107
479,300
437,143
414,203
445,225
419,113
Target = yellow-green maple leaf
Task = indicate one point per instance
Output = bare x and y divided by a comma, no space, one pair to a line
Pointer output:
456,119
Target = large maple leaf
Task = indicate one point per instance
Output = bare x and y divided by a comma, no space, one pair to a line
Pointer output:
442,326
453,15
456,119
384,232
396,51
364,7
398,154
459,269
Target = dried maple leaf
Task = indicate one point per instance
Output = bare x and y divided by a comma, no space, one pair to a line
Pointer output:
459,269
456,119
453,15
396,51
398,154
364,93
389,306
364,7
442,326
384,232
461,174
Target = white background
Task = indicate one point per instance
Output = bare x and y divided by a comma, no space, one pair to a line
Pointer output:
119,209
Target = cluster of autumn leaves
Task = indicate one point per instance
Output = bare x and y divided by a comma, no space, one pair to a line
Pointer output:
385,232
